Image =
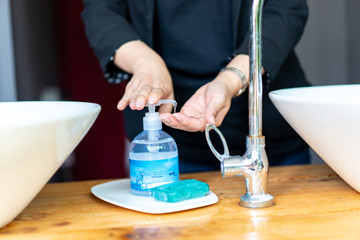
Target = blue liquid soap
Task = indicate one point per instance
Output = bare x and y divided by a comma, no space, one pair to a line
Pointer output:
153,156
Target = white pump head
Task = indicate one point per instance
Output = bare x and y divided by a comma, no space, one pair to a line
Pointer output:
151,120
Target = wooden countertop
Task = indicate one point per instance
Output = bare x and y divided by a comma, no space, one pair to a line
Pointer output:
311,202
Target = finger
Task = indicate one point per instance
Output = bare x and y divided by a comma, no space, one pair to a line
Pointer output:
155,95
215,112
169,120
142,97
215,118
210,118
210,115
188,123
132,102
219,118
124,101
122,104
173,122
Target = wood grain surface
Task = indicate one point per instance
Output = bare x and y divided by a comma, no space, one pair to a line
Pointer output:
311,202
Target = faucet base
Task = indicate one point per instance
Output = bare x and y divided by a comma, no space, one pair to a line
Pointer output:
257,201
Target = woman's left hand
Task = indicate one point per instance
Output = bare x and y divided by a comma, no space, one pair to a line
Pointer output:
209,104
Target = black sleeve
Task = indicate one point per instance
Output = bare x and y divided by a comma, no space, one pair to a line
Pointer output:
283,22
107,29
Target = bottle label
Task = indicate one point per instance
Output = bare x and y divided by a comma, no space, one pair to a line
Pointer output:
145,175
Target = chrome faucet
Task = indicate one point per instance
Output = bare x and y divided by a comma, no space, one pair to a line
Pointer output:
254,164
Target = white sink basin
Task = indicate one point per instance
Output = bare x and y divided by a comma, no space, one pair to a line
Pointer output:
35,139
328,119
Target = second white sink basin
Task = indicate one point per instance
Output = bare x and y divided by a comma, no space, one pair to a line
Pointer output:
328,119
35,139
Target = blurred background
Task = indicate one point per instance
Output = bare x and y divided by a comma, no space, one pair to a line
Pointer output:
44,55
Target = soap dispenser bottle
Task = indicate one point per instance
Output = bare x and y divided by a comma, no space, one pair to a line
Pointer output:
153,156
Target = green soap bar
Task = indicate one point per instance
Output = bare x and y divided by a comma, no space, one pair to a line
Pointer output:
180,190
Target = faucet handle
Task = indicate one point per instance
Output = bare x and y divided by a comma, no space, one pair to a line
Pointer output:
219,156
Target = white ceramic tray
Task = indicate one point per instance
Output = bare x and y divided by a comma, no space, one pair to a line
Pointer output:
118,193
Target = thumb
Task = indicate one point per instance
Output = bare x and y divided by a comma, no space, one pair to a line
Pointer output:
210,113
216,111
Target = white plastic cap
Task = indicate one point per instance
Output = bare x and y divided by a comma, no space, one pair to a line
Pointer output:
151,121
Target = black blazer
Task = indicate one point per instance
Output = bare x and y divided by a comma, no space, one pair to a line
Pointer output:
108,26
111,23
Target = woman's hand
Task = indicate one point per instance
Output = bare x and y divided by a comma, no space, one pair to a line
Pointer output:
151,79
211,102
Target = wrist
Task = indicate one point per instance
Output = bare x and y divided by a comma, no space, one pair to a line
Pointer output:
230,80
241,76
149,61
239,69
134,55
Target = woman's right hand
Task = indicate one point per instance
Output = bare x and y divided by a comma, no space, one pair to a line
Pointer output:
151,79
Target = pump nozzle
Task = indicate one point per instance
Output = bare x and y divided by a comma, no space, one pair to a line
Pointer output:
151,120
161,101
